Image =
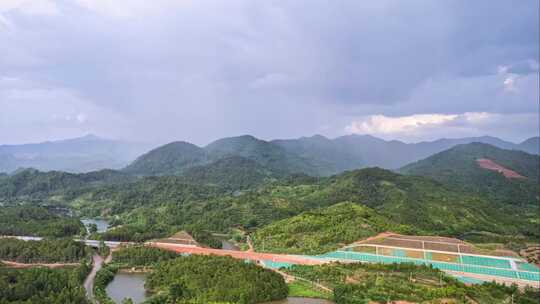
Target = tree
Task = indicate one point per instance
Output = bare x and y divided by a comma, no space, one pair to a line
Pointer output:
92,228
177,291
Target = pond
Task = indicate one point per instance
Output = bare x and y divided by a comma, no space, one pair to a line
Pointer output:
127,285
102,225
228,245
294,300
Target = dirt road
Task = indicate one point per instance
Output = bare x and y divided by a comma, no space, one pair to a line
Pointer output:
89,281
256,256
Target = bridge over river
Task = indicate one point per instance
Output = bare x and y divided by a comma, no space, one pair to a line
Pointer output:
91,243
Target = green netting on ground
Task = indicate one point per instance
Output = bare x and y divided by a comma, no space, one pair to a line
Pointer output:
490,271
446,266
483,261
372,258
399,253
276,265
467,280
531,276
349,255
528,267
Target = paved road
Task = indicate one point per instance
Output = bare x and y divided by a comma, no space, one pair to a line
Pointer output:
256,256
91,243
89,281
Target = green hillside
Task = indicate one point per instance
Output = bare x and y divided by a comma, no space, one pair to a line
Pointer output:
158,206
177,157
265,153
327,156
457,168
323,230
169,159
31,185
234,173
37,221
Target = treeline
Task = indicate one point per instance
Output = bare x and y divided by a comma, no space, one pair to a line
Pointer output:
206,238
382,283
103,277
138,256
43,285
37,221
33,185
45,251
135,232
206,279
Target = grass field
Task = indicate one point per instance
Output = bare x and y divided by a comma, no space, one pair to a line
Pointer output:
301,289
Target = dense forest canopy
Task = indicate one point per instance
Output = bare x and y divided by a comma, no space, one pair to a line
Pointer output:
37,221
206,279
43,285
323,230
45,251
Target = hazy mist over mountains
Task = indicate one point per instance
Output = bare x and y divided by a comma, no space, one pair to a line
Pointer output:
316,155
81,154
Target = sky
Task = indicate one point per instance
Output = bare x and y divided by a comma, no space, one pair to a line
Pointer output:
197,70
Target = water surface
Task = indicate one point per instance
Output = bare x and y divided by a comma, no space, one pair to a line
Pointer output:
102,225
127,285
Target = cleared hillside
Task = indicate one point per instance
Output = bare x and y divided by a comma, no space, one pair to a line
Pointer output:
460,168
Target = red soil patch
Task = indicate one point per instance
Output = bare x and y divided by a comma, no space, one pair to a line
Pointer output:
491,165
283,258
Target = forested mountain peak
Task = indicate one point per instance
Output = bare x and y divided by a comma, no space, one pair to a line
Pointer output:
531,145
170,159
459,169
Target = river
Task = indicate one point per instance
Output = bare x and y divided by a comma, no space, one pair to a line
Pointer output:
127,285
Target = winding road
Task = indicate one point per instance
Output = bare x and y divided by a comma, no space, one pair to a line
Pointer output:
97,262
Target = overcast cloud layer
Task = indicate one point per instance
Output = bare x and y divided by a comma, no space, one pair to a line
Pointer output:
166,70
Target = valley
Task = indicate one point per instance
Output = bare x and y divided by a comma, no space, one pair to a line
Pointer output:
180,202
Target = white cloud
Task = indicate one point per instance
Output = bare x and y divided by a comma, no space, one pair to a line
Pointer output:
380,124
130,8
30,7
509,83
432,126
81,118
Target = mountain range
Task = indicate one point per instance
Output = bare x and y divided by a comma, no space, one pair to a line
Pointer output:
470,189
83,154
315,155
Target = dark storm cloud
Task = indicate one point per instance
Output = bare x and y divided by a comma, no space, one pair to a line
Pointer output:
198,70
